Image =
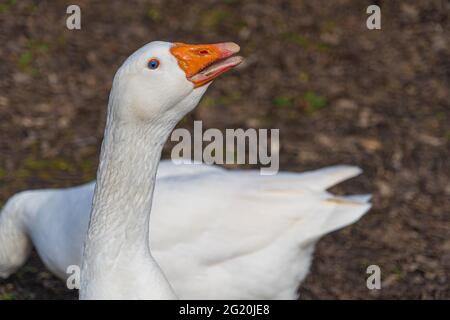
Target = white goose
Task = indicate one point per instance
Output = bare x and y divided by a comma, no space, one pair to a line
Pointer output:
216,233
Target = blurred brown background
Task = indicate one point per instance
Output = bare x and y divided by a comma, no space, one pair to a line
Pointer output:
339,93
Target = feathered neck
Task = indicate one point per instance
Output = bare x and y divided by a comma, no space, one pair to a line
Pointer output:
117,243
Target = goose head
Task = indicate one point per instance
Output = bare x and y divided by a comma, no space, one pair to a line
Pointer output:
164,78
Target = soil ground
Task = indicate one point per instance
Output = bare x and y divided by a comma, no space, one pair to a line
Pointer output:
339,93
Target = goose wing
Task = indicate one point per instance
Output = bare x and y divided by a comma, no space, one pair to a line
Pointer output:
240,235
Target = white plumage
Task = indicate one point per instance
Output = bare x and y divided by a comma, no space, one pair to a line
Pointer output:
217,234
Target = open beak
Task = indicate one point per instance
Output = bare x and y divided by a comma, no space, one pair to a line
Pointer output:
202,63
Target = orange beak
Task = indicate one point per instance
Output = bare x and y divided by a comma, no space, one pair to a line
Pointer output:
202,63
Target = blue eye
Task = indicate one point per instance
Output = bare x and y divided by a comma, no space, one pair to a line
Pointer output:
153,64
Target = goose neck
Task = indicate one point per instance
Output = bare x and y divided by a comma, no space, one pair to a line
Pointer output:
118,236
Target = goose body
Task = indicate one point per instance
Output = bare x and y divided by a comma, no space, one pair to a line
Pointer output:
214,233
217,233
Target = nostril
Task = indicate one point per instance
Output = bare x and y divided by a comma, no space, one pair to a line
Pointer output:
203,52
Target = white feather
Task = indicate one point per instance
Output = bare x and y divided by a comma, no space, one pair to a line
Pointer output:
216,233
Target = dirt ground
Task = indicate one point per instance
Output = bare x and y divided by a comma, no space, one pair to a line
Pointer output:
340,94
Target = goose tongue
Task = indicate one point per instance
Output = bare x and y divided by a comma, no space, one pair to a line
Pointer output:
203,63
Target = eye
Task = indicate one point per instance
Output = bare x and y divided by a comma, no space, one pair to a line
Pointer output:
153,64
